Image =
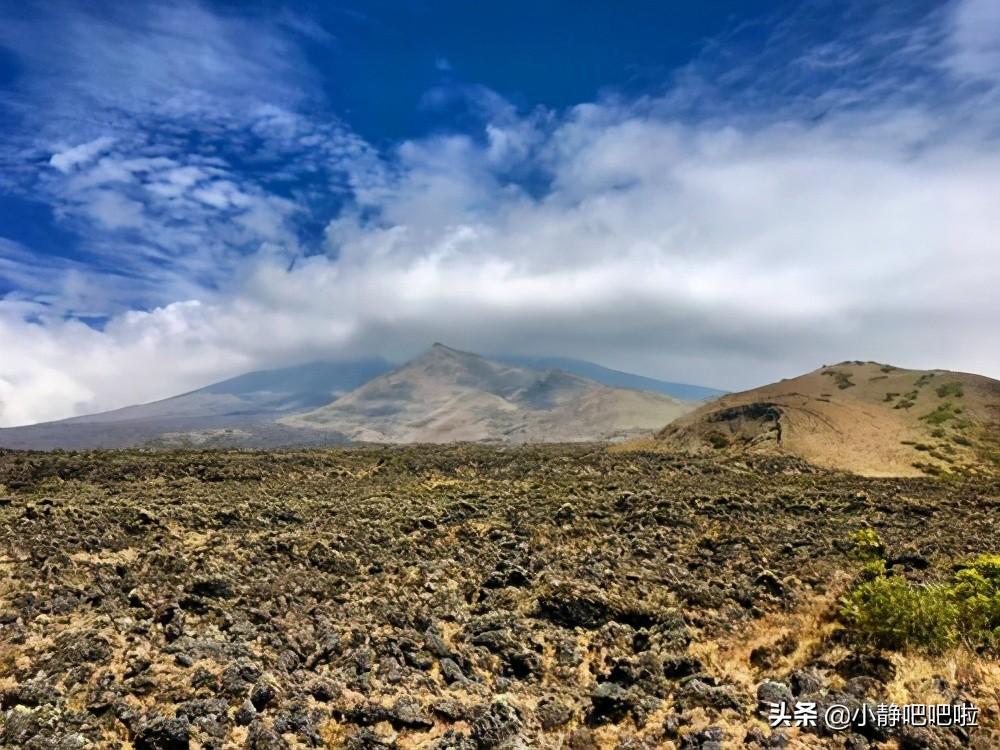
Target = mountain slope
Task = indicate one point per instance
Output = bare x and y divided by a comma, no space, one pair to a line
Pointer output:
614,378
871,419
239,407
447,395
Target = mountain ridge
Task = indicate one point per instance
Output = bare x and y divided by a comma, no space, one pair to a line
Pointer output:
447,395
248,410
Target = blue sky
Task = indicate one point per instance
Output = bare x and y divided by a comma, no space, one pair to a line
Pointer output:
719,192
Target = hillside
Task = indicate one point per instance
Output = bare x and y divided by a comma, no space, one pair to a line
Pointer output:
614,378
238,409
447,395
865,417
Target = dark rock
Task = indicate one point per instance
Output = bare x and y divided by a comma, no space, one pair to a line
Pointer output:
706,739
866,665
261,737
573,607
324,691
263,693
498,723
213,588
237,678
552,713
451,710
452,672
863,687
701,694
582,739
771,692
804,681
454,740
407,713
367,739
610,703
927,738
245,714
163,734
675,667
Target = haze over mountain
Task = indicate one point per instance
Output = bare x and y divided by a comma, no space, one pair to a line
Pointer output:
616,378
247,410
447,395
865,417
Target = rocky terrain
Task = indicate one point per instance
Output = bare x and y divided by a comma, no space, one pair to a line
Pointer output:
462,598
864,417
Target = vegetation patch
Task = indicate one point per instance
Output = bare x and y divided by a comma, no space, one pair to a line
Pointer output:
841,378
941,414
948,390
924,379
717,440
867,545
892,612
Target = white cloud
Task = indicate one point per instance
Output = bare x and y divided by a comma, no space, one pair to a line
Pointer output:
975,39
115,211
66,160
728,250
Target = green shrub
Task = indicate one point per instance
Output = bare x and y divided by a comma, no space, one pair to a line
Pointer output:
950,389
841,378
867,545
941,414
717,440
891,612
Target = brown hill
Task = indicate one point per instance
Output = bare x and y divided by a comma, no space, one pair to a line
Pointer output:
864,417
447,395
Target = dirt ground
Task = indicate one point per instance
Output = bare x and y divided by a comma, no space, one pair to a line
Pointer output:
461,597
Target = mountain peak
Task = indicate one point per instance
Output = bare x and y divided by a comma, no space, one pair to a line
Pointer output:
438,348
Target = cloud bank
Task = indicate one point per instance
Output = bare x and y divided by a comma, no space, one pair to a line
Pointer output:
685,234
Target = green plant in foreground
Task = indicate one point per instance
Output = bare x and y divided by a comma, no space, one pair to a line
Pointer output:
867,545
892,612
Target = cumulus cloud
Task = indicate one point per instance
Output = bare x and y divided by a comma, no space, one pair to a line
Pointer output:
728,250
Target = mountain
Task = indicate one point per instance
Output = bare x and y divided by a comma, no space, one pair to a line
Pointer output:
614,378
448,395
238,408
442,395
863,417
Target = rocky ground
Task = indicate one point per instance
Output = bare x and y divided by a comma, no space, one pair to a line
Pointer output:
459,597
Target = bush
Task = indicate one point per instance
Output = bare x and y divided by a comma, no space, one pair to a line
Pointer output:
867,545
950,389
891,612
941,414
717,440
